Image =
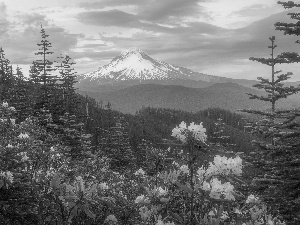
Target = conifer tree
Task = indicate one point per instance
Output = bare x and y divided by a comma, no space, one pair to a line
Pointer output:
219,137
290,28
118,147
41,73
6,77
67,79
20,97
273,156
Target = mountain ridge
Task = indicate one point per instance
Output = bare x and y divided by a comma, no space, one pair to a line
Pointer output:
134,66
130,99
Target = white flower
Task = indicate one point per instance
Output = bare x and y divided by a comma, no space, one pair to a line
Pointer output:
103,186
141,199
9,146
164,200
184,169
8,175
224,215
13,121
200,172
206,186
237,211
140,172
5,104
24,156
145,213
236,166
170,223
80,183
175,164
111,218
12,108
23,136
211,213
171,176
252,199
270,222
197,131
222,165
182,125
228,190
218,189
159,222
176,132
161,191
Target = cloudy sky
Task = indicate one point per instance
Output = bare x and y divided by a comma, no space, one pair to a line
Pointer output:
215,37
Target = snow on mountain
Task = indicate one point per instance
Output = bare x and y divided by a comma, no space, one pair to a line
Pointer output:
134,64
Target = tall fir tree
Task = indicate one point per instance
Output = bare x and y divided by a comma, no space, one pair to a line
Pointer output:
40,73
117,145
274,156
6,77
67,80
20,95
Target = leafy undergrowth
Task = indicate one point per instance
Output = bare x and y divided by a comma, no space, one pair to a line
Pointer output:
47,179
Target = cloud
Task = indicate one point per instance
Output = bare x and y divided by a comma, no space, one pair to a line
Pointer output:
4,23
105,3
33,19
170,12
204,47
122,19
96,55
108,18
2,10
252,11
157,10
21,40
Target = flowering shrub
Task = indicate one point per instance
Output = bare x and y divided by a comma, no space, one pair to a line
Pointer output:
54,187
193,131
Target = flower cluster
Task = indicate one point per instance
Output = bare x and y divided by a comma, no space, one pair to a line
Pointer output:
220,166
140,172
184,169
170,177
5,105
111,218
197,132
160,222
252,199
218,189
141,199
7,175
225,166
23,136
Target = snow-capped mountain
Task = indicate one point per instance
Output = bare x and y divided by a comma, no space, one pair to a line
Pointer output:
134,64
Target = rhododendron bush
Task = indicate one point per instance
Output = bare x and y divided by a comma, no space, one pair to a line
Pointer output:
41,182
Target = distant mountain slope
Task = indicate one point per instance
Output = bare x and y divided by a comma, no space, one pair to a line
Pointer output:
125,84
134,64
136,67
228,96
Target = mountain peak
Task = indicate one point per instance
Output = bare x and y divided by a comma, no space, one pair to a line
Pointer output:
135,64
133,50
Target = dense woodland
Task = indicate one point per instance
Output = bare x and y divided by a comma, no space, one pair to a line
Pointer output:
67,159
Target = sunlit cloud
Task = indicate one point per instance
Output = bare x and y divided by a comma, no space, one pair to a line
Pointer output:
214,37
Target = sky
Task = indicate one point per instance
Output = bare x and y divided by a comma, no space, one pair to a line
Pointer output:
215,37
